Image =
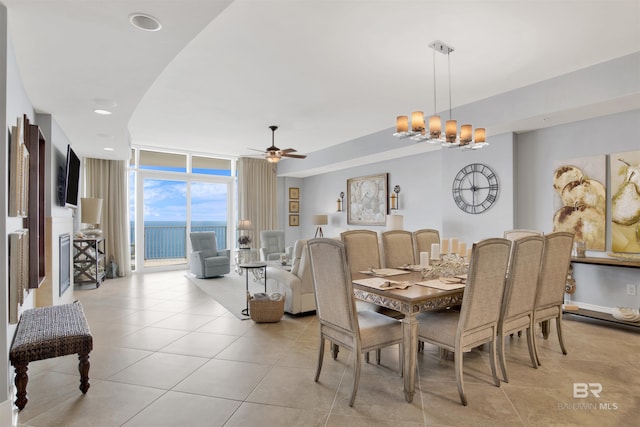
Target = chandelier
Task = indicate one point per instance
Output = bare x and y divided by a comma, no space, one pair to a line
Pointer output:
434,134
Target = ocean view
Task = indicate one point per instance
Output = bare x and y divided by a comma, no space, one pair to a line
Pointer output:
168,239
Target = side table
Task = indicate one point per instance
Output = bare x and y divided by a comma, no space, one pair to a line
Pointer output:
245,256
254,267
89,260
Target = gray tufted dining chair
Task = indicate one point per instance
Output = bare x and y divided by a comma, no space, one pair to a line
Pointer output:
422,240
477,321
340,323
397,246
520,295
556,260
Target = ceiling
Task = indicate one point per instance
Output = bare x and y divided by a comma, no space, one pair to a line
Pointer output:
219,73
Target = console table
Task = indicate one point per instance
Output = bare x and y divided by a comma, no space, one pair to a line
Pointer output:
89,260
610,262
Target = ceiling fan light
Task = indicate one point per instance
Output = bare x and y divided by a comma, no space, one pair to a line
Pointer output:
272,157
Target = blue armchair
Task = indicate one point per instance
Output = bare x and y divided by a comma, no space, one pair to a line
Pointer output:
205,259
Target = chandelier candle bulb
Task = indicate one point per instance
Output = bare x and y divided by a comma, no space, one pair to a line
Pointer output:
402,124
444,246
462,249
417,121
435,251
465,134
424,259
451,129
454,245
479,135
435,126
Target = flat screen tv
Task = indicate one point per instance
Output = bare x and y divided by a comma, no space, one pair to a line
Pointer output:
69,180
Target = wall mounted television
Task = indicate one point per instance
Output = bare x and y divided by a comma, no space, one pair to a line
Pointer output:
69,180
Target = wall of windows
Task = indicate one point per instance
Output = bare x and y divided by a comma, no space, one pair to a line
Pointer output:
172,194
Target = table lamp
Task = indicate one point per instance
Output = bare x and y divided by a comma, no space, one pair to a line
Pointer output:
395,222
320,220
243,226
91,214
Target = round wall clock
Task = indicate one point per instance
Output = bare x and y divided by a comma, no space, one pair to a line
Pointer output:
475,188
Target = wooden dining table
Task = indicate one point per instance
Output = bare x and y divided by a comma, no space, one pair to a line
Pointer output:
410,302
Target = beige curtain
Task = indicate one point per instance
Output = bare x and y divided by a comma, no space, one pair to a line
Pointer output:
107,179
257,196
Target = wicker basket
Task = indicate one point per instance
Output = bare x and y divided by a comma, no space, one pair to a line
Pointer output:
266,311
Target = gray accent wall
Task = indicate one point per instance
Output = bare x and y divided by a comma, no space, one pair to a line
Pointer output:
537,155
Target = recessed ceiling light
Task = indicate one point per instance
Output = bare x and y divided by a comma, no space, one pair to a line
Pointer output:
144,22
108,149
102,112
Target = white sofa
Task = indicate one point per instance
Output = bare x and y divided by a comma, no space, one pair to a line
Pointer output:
296,284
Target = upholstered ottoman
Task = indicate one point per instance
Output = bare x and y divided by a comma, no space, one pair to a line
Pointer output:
47,332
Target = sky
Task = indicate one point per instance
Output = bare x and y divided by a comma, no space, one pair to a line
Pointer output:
165,200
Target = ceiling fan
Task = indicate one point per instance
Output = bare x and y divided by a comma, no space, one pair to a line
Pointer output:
273,154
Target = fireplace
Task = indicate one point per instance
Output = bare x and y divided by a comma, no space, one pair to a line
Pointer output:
65,262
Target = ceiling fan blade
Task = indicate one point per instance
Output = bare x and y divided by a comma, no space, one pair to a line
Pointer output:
255,149
294,156
288,150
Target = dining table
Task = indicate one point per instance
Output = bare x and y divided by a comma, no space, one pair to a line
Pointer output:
410,301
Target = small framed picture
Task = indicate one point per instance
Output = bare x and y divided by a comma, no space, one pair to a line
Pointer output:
294,220
294,206
294,193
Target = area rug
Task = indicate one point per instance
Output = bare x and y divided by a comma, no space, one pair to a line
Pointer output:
229,290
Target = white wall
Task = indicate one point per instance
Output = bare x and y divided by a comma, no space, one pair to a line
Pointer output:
15,103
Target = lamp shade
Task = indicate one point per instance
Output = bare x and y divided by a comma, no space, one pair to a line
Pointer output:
320,219
244,224
395,222
91,210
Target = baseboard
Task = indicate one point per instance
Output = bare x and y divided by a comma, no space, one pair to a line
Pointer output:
7,414
592,307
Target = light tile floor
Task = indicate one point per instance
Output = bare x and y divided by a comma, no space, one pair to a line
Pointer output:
166,354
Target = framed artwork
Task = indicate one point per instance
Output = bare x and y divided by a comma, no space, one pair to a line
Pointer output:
294,206
294,193
19,173
580,199
367,202
294,220
624,169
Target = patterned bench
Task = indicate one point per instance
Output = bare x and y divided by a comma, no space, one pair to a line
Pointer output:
47,332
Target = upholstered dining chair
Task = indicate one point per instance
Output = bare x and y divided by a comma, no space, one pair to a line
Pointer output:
422,240
556,260
520,295
339,321
397,246
518,233
477,321
362,249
